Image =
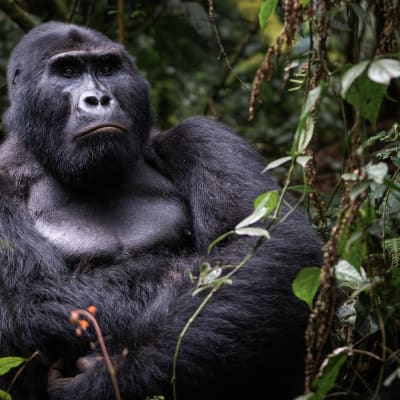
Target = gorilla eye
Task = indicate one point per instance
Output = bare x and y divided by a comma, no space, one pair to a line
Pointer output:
69,72
106,70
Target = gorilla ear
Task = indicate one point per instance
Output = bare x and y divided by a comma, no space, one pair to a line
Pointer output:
16,73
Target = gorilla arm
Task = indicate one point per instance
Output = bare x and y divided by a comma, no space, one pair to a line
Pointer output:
144,304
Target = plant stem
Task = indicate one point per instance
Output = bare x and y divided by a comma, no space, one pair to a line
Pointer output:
107,359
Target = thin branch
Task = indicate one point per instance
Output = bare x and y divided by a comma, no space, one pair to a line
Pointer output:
62,10
20,370
121,21
229,65
73,10
110,367
17,14
205,301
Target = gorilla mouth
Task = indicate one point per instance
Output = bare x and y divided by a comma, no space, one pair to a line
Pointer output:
109,128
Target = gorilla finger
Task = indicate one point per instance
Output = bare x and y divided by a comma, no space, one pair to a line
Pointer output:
85,363
55,372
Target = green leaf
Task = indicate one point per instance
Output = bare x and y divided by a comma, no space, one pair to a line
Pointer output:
348,275
254,217
326,379
266,9
264,204
4,395
376,172
306,284
7,363
366,97
351,75
303,160
268,200
305,134
312,98
383,70
353,247
253,232
305,127
277,163
302,188
305,3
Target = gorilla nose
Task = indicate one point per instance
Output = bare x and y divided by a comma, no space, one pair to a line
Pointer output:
95,102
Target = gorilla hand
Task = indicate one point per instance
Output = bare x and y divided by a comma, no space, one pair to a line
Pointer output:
61,386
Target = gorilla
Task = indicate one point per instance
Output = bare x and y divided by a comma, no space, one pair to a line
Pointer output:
99,208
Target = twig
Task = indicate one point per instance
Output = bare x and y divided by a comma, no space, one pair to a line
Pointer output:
20,370
223,53
121,21
220,283
73,10
248,256
229,65
103,347
17,14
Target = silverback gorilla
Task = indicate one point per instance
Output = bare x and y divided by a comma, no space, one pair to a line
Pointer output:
96,211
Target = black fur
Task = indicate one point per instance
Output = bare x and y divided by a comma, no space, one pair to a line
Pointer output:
118,221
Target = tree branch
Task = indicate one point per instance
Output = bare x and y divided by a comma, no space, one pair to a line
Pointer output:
17,14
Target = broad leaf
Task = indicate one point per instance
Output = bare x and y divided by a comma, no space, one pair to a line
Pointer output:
312,98
353,247
383,70
305,134
277,163
266,9
330,370
253,232
302,188
7,363
303,160
347,275
4,395
376,172
254,217
366,97
268,200
351,75
306,284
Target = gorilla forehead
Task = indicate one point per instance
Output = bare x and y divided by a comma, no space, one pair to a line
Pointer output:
38,45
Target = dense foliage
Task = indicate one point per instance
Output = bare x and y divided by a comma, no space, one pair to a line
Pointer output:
313,84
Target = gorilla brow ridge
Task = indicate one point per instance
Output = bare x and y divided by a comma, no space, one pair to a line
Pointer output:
91,50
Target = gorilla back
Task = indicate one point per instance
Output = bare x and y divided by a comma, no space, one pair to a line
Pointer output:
94,211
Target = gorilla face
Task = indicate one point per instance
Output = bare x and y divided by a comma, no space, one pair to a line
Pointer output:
83,111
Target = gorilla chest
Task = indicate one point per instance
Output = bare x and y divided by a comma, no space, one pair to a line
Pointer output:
109,227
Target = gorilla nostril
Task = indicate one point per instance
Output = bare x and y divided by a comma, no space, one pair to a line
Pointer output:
92,100
105,100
